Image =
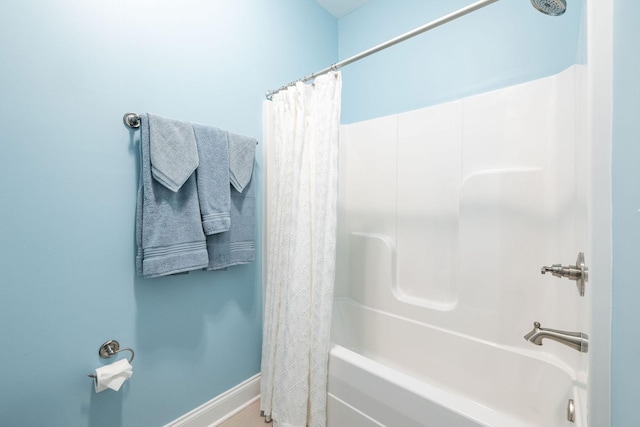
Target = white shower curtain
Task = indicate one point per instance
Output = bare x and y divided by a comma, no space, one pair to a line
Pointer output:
301,216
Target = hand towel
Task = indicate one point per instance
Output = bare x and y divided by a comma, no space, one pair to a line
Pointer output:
174,155
236,246
168,225
212,177
241,156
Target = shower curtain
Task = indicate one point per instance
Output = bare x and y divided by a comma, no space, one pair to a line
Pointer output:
300,255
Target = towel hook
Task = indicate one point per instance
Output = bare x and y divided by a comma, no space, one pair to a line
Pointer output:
110,349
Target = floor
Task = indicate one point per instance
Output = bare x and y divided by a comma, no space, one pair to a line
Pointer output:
248,417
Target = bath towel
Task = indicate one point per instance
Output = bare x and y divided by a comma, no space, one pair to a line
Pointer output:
237,246
169,231
173,151
241,156
212,177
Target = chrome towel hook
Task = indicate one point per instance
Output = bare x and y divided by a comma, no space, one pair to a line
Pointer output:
110,349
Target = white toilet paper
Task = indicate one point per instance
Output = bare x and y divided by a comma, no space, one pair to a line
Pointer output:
113,376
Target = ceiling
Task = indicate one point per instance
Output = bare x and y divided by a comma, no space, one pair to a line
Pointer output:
340,8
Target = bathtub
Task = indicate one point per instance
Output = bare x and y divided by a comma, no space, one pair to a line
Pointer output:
400,377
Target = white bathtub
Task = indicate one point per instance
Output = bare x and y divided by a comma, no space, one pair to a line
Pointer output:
411,374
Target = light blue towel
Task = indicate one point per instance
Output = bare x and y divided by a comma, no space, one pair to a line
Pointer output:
169,231
212,177
241,156
237,246
173,151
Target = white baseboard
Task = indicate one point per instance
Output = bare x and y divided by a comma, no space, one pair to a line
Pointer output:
222,407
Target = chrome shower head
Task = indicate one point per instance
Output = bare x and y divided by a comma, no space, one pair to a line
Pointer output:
550,7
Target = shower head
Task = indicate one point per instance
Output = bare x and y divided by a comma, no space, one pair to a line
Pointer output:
550,7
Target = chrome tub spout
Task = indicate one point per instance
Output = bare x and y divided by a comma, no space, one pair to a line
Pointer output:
576,340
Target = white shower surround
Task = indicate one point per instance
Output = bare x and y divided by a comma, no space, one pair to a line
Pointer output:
446,215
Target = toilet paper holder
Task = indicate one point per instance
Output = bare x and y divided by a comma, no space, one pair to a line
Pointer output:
110,349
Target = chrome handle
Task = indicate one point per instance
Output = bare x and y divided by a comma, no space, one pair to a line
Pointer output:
571,411
570,272
578,272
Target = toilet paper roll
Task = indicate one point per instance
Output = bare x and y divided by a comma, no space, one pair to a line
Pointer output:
113,375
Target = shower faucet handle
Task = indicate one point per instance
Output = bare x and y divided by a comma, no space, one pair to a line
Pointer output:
578,272
570,271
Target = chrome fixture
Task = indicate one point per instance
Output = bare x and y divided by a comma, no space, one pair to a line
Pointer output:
575,340
110,349
571,411
131,120
550,7
578,272
382,46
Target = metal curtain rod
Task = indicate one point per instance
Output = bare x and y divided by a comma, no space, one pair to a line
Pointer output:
426,27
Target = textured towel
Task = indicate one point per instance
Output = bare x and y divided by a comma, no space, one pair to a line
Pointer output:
241,155
236,246
174,155
212,177
168,225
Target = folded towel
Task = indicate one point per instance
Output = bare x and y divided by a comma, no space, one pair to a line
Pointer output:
212,177
168,225
174,155
241,155
237,246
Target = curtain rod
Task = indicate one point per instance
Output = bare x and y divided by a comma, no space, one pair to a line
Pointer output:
426,27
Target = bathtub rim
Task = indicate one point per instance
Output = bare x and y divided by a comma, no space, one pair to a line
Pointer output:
534,353
459,405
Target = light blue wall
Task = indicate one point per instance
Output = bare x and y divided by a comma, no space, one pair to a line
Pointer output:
69,70
626,216
505,43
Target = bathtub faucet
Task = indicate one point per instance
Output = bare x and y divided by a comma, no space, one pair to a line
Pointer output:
576,340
